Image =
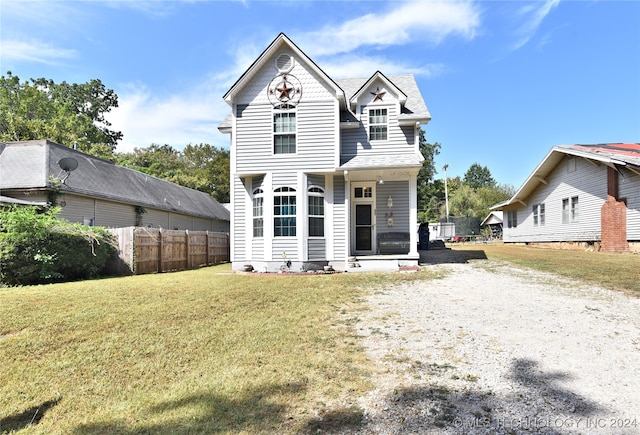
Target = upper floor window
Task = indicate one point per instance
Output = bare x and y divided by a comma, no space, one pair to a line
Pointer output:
378,124
570,210
538,215
258,212
316,212
284,211
284,133
512,218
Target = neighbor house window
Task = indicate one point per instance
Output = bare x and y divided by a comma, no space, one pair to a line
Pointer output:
258,212
284,211
284,133
512,219
316,212
570,210
378,124
538,215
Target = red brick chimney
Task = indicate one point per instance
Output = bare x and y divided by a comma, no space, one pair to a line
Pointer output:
613,217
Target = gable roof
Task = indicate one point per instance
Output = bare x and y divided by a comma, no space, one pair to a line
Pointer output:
413,108
493,218
376,76
615,155
275,46
30,165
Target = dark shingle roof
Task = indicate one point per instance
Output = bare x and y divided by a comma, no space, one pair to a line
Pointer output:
30,164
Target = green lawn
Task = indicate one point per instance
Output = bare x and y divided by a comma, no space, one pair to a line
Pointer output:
208,351
619,272
202,351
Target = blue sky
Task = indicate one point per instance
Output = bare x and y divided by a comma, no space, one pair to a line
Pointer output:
504,80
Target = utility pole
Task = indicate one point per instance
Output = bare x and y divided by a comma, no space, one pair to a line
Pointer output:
446,192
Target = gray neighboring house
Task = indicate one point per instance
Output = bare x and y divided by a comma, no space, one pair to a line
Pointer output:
579,193
323,171
99,192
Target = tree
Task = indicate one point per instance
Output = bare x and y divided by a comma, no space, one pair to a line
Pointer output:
429,190
68,114
201,167
478,176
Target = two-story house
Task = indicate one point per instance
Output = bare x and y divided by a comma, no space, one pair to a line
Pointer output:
322,170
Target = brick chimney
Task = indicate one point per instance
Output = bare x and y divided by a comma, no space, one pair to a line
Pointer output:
613,217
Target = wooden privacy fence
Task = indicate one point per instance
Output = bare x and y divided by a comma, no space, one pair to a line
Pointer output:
150,250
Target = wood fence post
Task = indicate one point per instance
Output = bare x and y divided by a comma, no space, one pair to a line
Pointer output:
160,250
186,241
207,247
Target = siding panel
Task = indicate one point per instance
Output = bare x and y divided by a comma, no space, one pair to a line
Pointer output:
629,188
588,182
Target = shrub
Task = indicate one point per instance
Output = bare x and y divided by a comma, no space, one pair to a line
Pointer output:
38,247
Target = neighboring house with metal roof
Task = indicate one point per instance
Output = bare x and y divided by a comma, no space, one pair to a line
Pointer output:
579,193
323,171
94,191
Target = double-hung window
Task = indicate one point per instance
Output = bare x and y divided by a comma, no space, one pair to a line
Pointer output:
316,212
284,212
570,210
538,215
284,133
258,213
512,218
377,124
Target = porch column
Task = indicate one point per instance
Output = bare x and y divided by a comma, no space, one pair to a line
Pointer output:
413,215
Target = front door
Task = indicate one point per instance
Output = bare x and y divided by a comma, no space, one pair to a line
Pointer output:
364,228
363,224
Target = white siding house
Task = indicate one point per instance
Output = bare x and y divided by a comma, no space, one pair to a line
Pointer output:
579,193
320,167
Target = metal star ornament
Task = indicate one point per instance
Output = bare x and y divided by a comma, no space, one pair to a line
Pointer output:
377,95
284,90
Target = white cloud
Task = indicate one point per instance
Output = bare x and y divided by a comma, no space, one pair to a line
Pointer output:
426,20
35,51
533,15
355,66
176,120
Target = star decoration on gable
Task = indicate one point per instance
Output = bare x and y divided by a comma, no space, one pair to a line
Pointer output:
377,95
284,90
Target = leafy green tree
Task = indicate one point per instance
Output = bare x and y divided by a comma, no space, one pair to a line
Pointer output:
429,189
478,176
201,167
211,167
69,114
464,201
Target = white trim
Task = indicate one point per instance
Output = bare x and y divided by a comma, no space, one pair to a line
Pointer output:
329,234
268,216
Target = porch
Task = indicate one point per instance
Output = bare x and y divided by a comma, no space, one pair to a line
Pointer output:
382,263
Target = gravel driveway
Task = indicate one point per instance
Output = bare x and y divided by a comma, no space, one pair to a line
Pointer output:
492,348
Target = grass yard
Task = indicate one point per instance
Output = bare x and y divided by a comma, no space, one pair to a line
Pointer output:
202,351
614,271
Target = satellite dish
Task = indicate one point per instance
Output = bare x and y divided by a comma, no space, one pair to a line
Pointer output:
68,164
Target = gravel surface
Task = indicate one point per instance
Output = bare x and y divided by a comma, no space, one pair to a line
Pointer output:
495,349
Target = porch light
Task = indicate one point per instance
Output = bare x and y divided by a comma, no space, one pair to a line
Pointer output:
390,202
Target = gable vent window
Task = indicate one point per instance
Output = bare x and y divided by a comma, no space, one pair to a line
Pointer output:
284,63
378,124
